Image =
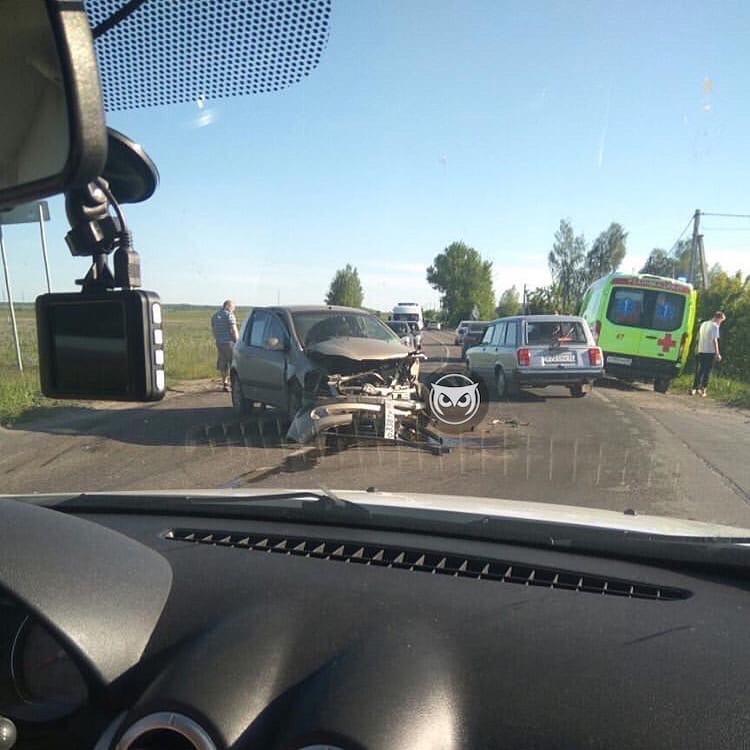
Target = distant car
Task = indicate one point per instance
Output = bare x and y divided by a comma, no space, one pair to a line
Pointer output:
463,326
402,329
473,335
536,351
434,325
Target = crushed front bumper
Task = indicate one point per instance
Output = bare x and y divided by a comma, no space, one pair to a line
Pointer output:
389,419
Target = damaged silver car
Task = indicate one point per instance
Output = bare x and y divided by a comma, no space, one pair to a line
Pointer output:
329,368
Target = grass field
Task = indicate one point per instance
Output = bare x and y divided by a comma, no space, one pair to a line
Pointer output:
726,390
189,354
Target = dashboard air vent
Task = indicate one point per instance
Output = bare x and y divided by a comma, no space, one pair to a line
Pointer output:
436,563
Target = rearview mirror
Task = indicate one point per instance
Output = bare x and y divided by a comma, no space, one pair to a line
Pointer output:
52,132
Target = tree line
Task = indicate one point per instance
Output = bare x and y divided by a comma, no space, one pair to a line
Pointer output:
464,279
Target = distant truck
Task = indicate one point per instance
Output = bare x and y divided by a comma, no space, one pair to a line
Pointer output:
411,312
643,324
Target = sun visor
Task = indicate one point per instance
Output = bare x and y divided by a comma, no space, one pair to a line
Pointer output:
196,50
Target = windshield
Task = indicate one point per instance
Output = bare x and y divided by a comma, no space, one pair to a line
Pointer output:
469,165
312,328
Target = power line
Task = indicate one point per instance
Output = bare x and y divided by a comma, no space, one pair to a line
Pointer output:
690,221
727,216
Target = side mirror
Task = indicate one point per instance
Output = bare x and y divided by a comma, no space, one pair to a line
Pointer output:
52,117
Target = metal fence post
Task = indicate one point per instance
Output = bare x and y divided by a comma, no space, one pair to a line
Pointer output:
12,310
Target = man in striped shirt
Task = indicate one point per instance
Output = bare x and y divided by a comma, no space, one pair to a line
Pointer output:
224,328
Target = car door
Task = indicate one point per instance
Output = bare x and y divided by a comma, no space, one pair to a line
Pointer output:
622,331
493,349
244,354
482,355
506,341
274,361
269,345
663,323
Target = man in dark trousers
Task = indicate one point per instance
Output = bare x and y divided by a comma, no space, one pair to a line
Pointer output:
707,352
224,328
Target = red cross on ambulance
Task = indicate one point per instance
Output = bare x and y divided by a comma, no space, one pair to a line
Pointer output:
666,343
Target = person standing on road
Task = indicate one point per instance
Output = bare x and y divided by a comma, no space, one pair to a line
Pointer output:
224,328
707,352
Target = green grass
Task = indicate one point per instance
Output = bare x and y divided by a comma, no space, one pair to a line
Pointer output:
723,389
18,393
190,354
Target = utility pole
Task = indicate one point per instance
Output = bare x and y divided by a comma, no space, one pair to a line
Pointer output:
694,246
44,216
702,261
11,308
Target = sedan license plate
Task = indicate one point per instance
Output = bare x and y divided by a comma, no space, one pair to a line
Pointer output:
619,361
390,421
560,358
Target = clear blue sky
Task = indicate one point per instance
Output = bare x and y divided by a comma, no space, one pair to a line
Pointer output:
429,122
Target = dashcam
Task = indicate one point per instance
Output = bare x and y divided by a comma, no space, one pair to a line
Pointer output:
106,345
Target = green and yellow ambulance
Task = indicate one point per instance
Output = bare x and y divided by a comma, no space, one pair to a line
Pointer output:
643,325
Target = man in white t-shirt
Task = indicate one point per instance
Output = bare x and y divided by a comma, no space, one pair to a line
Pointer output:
707,352
224,328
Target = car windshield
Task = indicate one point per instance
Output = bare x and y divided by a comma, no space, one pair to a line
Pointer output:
572,176
314,327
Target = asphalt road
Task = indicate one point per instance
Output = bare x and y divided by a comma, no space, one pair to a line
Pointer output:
618,448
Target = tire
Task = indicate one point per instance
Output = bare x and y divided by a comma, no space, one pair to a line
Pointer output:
661,385
240,404
505,389
577,391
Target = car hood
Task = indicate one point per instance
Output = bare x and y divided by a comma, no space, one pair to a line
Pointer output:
358,349
499,508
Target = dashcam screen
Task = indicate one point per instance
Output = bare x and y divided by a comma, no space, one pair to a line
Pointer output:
90,348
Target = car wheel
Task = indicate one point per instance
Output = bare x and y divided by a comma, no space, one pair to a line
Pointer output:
661,385
577,391
505,388
240,404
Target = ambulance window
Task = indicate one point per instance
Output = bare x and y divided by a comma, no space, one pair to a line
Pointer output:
626,307
668,310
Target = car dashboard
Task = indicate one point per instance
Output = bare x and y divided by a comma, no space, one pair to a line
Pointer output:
149,631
